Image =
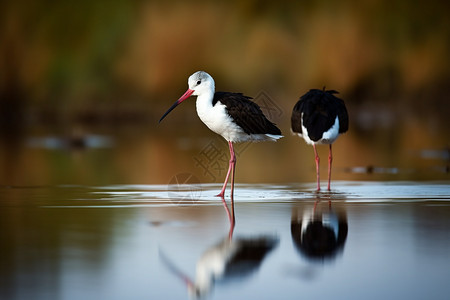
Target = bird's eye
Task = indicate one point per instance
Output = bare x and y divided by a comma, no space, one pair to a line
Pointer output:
198,82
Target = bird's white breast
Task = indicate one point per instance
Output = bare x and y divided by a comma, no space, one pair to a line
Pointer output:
218,120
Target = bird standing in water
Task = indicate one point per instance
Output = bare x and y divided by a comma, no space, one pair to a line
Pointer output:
232,115
319,117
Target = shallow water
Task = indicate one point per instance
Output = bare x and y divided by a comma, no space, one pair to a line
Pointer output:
363,240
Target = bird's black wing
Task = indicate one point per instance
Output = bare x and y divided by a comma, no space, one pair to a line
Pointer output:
343,115
249,254
246,113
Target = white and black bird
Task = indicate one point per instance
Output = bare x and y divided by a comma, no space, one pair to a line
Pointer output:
319,117
224,262
232,115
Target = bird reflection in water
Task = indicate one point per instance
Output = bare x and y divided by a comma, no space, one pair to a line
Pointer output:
232,258
319,232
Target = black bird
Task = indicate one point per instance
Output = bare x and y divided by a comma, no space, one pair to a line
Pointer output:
319,117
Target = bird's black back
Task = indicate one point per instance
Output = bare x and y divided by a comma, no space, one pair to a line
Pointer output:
319,109
246,113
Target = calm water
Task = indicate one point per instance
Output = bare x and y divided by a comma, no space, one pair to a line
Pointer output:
364,240
131,214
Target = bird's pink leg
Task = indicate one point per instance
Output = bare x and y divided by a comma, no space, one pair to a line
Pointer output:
233,161
317,167
222,192
232,173
230,166
330,160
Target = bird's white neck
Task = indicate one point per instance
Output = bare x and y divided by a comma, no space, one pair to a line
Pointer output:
204,104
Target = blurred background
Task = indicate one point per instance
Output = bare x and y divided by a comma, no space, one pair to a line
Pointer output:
83,84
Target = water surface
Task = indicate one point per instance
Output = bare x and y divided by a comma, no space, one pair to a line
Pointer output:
363,240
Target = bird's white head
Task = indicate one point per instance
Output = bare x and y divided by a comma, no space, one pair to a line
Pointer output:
199,83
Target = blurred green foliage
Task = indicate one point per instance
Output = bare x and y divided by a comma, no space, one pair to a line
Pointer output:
70,58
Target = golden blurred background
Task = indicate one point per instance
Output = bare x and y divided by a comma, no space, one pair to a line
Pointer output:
72,69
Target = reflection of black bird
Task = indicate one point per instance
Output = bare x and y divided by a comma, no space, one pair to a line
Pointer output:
319,117
227,260
230,258
319,235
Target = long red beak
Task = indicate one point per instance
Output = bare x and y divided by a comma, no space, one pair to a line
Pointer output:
182,98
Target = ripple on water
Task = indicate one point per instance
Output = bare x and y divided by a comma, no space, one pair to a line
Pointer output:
204,194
